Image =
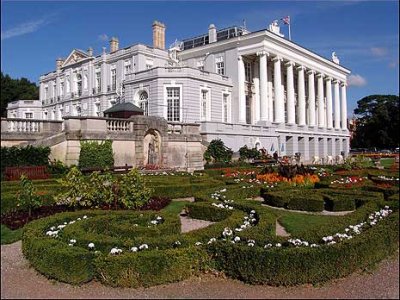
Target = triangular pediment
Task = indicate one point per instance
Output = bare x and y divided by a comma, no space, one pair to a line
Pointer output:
75,57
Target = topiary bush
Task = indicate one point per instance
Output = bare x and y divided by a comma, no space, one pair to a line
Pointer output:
96,155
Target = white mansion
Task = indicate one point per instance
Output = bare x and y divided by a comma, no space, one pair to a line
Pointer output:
247,88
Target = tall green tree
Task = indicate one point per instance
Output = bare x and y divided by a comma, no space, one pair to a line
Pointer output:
15,89
377,118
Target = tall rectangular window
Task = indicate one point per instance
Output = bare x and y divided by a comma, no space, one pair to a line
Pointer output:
173,104
220,66
28,115
61,88
46,92
225,108
127,68
204,104
248,71
113,79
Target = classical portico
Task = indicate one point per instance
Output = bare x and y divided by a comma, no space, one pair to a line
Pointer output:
304,101
319,105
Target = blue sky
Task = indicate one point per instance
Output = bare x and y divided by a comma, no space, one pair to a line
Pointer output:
364,34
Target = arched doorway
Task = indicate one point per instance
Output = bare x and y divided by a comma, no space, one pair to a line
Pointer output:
152,148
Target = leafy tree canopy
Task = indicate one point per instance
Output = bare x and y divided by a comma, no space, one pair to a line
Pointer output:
15,89
377,122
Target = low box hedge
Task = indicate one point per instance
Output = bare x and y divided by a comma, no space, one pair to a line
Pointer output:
206,211
339,203
150,268
295,200
293,266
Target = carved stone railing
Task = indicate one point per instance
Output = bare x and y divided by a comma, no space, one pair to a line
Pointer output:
118,125
24,125
17,125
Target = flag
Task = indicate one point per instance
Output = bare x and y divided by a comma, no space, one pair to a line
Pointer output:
286,20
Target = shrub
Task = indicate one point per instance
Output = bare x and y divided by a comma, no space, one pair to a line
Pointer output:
96,155
218,152
16,156
132,191
76,188
249,153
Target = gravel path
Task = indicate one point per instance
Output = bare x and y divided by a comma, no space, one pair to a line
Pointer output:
20,281
280,230
189,224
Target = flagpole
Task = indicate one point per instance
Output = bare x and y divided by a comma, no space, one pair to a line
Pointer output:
290,38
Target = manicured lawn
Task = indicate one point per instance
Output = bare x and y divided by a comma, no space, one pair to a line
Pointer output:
10,236
175,207
387,162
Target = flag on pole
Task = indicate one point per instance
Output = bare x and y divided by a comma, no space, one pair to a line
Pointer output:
286,20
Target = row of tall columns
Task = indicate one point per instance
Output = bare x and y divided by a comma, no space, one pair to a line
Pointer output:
265,109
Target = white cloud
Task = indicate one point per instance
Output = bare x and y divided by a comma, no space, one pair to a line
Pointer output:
103,37
23,28
356,80
379,51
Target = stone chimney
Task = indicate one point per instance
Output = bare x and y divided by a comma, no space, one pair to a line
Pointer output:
59,62
90,51
114,44
158,35
212,34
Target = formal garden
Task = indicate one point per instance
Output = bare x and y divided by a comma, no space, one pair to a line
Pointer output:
124,230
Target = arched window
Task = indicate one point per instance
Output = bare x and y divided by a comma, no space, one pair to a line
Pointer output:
144,102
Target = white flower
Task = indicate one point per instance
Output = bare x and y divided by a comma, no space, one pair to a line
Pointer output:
250,244
177,243
268,246
115,251
85,217
70,244
134,249
143,246
60,226
278,245
72,241
212,240
253,211
198,243
71,222
237,239
52,228
91,245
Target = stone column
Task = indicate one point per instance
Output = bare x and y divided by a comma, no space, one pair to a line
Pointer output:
311,97
320,97
329,123
343,106
301,97
263,86
290,93
337,104
256,82
241,91
279,109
